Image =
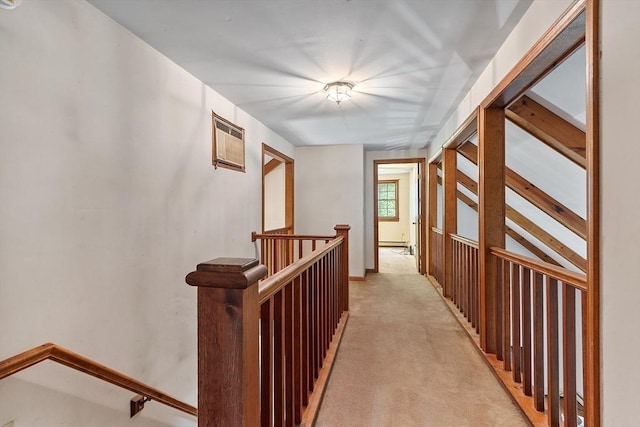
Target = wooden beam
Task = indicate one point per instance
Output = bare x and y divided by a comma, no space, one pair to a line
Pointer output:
491,213
548,127
449,217
270,166
432,212
510,231
555,45
530,227
534,195
591,307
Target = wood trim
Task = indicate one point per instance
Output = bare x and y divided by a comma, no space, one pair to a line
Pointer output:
432,214
356,278
534,195
548,127
465,131
80,363
288,184
423,209
491,213
592,342
555,45
450,217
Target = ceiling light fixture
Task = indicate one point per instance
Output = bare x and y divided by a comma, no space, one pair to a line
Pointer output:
338,91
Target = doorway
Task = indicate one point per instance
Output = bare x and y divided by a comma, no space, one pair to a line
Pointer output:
277,191
399,211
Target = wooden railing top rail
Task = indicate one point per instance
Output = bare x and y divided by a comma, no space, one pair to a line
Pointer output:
283,230
255,236
271,285
464,240
577,280
80,363
436,230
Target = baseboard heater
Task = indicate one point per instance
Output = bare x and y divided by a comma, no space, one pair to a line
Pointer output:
392,244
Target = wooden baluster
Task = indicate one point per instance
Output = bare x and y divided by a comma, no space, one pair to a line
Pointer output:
306,304
506,314
569,354
300,248
465,281
515,322
316,322
289,358
278,358
538,342
266,364
499,265
553,368
228,337
526,331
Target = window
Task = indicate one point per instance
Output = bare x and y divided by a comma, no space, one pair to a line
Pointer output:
388,200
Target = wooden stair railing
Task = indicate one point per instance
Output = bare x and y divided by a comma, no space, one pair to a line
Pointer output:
436,256
279,248
537,309
266,347
528,299
61,355
465,279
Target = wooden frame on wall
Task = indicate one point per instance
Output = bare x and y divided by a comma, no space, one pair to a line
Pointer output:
228,149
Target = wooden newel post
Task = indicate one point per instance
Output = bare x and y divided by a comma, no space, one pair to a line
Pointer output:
343,230
228,354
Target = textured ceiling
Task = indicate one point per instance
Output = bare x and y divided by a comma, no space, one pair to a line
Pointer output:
412,61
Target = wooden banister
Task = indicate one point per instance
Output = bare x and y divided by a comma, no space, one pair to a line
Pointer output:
56,353
271,285
255,236
577,280
464,240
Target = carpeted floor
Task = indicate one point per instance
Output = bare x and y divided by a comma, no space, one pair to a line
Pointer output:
405,361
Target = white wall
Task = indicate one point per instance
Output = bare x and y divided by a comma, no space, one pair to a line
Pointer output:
370,156
108,198
620,204
274,198
328,191
397,231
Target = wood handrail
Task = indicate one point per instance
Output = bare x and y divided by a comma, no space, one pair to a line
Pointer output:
271,285
255,236
577,280
56,353
436,230
464,240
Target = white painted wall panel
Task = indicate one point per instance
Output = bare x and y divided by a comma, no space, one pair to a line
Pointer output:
328,191
107,200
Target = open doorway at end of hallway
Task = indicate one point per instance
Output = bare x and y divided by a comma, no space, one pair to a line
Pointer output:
396,260
399,216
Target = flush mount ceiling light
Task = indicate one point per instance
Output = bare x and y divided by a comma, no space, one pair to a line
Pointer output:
338,91
9,4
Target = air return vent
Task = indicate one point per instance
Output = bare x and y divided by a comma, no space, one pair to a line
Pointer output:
228,144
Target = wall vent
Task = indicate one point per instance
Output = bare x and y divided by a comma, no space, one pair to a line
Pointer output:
228,144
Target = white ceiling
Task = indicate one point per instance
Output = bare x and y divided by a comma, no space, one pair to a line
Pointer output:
412,60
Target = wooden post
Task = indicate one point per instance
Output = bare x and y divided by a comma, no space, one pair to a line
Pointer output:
228,359
491,212
343,230
449,217
432,213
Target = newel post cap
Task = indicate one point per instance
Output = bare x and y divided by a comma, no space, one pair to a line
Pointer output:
342,227
228,273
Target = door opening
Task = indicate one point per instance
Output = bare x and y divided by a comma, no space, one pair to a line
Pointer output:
399,214
277,191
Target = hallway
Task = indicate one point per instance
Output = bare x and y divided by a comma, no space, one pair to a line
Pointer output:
405,361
